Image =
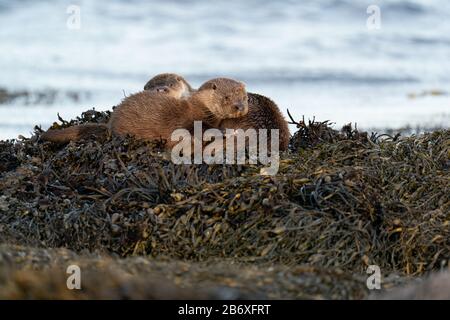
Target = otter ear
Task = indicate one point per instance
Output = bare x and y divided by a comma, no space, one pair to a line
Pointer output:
178,79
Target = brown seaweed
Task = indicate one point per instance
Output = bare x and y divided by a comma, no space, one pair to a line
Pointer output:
342,199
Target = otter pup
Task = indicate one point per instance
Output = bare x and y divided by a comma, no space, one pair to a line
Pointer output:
150,115
263,113
171,84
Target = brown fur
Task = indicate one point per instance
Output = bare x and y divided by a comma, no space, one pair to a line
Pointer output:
216,100
171,84
75,133
263,113
150,115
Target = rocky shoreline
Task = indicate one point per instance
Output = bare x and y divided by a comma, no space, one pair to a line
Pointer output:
41,97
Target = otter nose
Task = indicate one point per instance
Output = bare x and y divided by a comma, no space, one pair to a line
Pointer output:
162,89
240,106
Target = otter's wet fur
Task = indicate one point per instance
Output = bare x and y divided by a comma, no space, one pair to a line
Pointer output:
216,100
263,113
171,84
150,115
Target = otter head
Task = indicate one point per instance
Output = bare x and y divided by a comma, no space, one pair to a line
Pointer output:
170,84
227,98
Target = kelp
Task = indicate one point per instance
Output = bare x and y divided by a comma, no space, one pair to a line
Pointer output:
42,274
342,199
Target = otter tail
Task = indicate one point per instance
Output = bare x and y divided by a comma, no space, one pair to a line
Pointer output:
75,133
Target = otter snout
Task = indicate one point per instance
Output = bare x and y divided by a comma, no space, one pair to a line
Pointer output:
241,109
162,89
240,106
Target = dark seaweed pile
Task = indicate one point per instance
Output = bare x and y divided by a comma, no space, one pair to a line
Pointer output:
342,199
41,274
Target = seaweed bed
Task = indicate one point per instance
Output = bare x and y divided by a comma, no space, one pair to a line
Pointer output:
140,226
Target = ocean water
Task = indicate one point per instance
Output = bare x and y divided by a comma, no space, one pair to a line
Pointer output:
316,58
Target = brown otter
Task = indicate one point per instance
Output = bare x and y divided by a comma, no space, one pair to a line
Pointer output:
216,100
171,84
263,113
150,115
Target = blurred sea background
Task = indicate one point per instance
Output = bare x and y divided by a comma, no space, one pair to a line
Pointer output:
313,57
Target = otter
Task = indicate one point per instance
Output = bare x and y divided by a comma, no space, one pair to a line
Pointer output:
215,100
263,113
149,115
171,84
